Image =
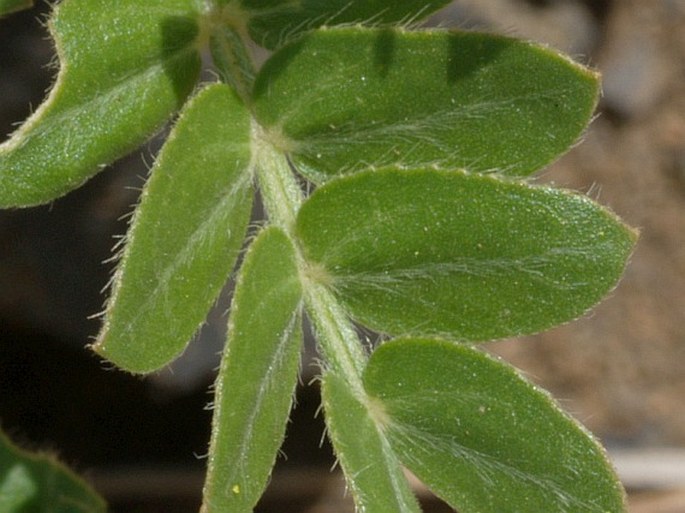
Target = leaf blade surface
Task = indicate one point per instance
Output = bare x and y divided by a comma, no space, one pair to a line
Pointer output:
465,256
125,68
185,235
271,23
256,382
340,100
483,438
37,483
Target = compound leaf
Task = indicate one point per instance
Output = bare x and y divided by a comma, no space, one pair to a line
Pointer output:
258,375
38,483
371,468
468,256
483,438
341,100
273,22
125,67
185,235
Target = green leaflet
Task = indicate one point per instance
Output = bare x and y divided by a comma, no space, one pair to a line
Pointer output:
341,100
274,22
9,6
125,67
417,230
470,257
258,375
185,236
371,468
483,438
37,483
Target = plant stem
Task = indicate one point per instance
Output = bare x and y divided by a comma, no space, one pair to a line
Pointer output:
281,194
282,197
232,60
338,340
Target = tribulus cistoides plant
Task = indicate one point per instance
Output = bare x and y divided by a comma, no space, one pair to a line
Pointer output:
394,166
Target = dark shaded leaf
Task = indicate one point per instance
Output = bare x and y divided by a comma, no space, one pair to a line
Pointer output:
38,483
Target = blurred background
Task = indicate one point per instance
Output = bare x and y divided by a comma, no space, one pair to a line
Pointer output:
620,370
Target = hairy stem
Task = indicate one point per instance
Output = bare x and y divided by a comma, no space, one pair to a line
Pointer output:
282,198
281,194
338,341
